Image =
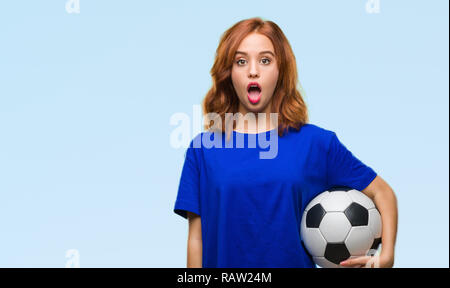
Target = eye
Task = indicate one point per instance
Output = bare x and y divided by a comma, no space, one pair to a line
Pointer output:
239,62
267,61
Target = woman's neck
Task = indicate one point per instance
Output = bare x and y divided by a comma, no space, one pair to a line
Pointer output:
256,122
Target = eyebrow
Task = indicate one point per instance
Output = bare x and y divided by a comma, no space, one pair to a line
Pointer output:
262,52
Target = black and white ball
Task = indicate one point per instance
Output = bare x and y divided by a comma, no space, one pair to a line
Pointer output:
339,224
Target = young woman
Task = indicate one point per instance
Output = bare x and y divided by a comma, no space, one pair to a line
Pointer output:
244,210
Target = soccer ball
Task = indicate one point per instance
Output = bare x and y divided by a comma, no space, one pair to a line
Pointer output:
339,224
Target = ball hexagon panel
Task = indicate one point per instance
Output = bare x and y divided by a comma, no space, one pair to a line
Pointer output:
361,198
316,200
314,216
322,262
359,240
375,247
303,223
336,202
336,253
314,242
335,227
312,239
376,243
339,188
357,215
375,222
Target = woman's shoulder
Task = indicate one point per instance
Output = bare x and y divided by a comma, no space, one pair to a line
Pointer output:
314,130
314,134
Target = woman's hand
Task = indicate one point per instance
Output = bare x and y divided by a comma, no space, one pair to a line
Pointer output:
384,260
386,202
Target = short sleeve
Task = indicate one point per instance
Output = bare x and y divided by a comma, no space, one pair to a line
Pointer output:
188,197
344,169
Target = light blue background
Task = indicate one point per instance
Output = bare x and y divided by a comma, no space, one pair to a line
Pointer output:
85,103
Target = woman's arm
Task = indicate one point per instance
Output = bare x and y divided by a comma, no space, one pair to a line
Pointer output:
384,198
194,251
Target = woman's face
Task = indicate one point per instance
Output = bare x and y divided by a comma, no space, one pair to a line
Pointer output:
255,62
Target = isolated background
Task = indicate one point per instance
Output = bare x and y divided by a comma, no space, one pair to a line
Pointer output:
85,103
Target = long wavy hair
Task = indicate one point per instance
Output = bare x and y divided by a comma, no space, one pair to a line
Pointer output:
287,100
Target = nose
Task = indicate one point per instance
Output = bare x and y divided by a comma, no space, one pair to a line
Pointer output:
253,70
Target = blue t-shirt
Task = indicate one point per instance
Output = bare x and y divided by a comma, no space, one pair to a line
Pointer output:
251,207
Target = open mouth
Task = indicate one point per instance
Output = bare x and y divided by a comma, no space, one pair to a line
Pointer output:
254,92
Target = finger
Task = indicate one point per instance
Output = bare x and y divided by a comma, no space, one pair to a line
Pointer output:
356,261
353,266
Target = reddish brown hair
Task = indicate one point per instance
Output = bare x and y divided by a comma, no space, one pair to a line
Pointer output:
286,100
